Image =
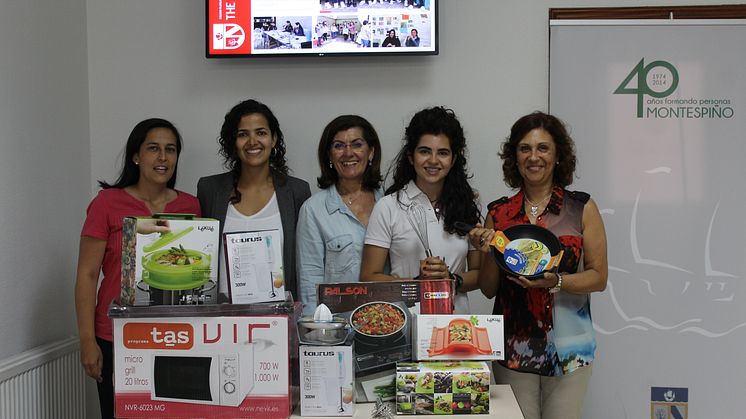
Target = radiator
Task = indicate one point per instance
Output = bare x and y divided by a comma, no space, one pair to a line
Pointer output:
46,382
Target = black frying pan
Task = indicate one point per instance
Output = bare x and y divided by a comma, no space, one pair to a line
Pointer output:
511,261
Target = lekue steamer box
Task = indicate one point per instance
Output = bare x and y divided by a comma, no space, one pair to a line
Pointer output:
442,388
208,361
458,337
178,267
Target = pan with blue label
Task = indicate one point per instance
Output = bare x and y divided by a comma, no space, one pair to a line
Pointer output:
523,249
526,250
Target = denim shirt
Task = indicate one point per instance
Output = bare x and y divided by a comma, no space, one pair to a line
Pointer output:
329,244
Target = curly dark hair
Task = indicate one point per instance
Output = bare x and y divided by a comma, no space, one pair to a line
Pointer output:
130,174
329,176
564,170
458,200
227,140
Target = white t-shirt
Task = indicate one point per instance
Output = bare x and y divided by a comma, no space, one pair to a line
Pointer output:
390,228
268,218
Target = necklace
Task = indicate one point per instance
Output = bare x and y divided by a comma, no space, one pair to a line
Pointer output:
349,200
436,206
535,206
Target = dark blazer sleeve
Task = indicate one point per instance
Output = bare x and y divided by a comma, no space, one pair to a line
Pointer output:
290,197
213,193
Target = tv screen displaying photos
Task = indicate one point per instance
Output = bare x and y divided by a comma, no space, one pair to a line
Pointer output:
252,28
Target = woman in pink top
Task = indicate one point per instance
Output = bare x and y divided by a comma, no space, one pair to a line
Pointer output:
145,187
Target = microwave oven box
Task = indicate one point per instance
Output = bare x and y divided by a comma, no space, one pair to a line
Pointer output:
327,380
203,366
253,266
178,267
458,337
442,388
425,296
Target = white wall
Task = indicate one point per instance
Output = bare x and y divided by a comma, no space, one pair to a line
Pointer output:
147,58
63,125
44,168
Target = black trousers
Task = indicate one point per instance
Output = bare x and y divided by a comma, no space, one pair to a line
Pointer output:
106,386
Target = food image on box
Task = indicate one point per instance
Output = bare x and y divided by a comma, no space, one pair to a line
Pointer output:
442,388
327,381
458,337
218,367
254,268
178,267
369,387
382,335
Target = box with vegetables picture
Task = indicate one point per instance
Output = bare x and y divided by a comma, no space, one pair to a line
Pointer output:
169,259
442,388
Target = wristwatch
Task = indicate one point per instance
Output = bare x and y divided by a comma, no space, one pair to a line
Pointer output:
459,280
557,287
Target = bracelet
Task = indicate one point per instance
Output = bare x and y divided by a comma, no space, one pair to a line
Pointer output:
557,287
458,278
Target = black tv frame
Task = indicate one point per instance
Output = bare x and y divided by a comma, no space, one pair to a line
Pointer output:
374,51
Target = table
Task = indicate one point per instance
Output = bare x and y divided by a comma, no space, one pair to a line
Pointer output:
503,405
284,39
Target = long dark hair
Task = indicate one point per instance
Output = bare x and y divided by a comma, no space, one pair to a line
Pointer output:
130,174
227,140
566,159
329,176
458,199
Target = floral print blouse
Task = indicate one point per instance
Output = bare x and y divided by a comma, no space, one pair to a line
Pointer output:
546,334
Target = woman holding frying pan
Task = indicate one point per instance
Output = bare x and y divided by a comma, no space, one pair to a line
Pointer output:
549,340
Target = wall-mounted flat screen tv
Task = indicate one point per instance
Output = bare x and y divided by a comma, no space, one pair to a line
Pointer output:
254,28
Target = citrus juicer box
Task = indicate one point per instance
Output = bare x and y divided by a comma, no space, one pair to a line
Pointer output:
206,361
327,380
458,337
174,267
442,388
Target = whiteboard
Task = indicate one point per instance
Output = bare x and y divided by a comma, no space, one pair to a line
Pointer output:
658,113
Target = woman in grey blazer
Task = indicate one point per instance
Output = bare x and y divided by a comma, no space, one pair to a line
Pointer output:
257,193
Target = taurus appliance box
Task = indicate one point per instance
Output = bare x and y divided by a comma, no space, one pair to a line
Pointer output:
427,296
326,380
174,267
200,367
458,337
254,268
442,388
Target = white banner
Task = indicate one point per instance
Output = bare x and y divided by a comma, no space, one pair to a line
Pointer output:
658,113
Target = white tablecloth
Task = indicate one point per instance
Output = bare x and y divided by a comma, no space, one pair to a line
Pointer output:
502,405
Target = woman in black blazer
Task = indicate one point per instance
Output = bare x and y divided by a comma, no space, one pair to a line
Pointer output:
257,193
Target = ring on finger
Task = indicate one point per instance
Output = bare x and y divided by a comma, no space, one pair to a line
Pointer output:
481,241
